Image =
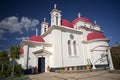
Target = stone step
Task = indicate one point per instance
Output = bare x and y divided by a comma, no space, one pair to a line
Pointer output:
79,71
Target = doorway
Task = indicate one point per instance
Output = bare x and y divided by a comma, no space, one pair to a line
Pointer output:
41,64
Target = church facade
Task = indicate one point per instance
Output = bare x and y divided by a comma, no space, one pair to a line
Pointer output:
65,44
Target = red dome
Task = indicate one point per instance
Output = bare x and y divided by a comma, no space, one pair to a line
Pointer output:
66,23
81,18
95,35
36,38
22,51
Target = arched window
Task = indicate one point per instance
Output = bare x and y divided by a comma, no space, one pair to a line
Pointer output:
74,48
90,27
69,48
45,29
56,20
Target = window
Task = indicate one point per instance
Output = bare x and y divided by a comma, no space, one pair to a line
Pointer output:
74,48
90,27
56,19
69,48
45,29
75,27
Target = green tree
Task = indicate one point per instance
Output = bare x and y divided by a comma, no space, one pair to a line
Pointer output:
14,55
4,61
115,53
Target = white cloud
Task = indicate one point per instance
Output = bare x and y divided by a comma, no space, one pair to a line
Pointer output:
21,38
13,24
27,23
1,34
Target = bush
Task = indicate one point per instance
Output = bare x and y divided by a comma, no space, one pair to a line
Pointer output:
61,68
18,71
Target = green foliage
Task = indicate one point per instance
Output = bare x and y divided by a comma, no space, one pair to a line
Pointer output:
5,61
15,52
61,68
14,55
18,78
6,71
115,53
18,70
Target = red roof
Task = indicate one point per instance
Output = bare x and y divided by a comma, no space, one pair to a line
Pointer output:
95,35
81,18
36,38
66,23
22,51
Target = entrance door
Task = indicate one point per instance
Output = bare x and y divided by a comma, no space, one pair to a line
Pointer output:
41,64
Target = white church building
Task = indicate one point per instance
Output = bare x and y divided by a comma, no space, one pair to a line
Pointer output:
65,44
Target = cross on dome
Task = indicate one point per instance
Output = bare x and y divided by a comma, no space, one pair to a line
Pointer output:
79,15
44,19
55,5
94,22
36,30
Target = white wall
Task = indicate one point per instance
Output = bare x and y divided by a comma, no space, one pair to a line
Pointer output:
95,55
60,56
58,48
50,38
53,18
72,60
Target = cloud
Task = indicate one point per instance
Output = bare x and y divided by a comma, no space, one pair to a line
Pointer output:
13,24
21,38
27,23
1,34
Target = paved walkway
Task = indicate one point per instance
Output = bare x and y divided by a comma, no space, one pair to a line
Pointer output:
95,75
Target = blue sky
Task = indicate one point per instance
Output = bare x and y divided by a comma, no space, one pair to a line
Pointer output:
19,18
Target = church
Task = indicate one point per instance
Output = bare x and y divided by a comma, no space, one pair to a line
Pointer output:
65,44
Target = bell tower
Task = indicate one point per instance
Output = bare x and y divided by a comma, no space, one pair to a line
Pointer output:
44,26
55,16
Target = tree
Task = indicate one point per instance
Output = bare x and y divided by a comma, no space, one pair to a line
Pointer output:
115,53
14,55
4,61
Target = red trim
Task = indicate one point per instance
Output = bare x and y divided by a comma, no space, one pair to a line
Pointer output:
95,35
80,19
66,23
36,38
21,51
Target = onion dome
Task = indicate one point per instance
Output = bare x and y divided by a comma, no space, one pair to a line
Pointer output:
66,23
21,51
36,39
80,19
95,35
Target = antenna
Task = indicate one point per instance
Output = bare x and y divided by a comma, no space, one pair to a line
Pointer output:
79,15
55,6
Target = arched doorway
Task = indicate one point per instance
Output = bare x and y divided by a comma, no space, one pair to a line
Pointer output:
42,60
41,64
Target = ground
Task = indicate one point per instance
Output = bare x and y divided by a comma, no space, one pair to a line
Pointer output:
95,75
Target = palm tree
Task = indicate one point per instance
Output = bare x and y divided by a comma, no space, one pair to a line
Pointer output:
4,59
14,55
